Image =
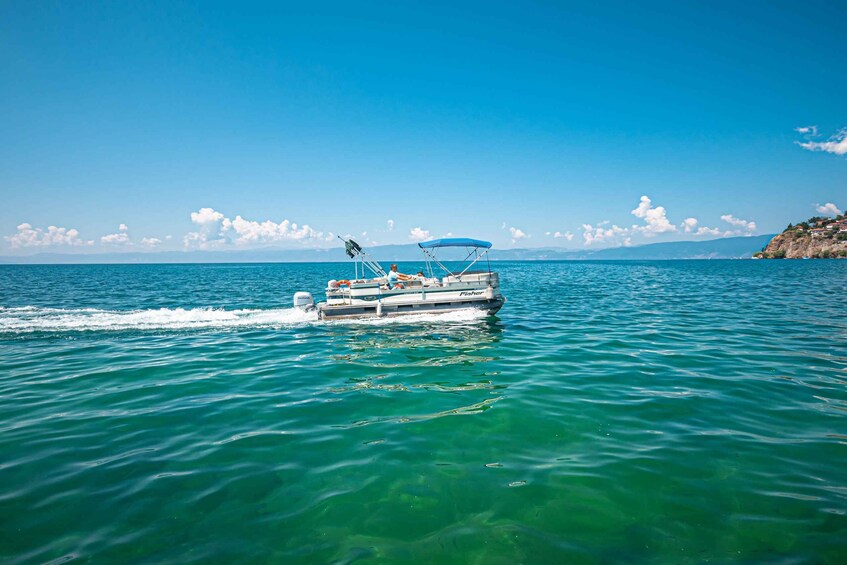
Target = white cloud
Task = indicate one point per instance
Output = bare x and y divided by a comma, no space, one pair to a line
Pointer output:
811,130
600,234
206,216
655,218
120,238
268,231
27,236
743,227
559,235
656,222
151,241
828,209
688,224
203,240
418,234
517,234
709,231
744,224
212,224
390,225
216,230
200,240
837,144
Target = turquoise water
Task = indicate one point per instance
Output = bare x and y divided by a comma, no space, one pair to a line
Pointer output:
680,412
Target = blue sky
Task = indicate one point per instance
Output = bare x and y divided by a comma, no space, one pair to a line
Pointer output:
504,121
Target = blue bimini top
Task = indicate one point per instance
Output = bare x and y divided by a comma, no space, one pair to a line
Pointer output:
454,242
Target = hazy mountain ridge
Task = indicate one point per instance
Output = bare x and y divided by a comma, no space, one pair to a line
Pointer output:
724,248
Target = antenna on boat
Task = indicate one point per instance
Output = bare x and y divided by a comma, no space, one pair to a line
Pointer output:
354,250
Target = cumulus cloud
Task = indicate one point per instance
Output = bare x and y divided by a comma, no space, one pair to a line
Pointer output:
559,235
390,225
517,234
837,144
741,227
200,240
248,231
688,224
656,222
418,234
828,209
655,218
28,236
600,233
743,224
206,216
211,224
811,130
120,238
215,229
710,231
151,241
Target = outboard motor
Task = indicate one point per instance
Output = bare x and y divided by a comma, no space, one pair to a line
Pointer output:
304,301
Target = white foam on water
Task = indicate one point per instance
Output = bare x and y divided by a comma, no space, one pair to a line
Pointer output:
28,319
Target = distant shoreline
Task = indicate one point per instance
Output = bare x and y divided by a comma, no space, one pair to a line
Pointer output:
722,248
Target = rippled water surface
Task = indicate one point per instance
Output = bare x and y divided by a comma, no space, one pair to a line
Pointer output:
639,411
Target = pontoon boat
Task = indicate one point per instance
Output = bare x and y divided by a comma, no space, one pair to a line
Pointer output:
451,290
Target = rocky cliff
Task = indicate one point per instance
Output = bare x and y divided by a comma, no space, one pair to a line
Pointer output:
812,239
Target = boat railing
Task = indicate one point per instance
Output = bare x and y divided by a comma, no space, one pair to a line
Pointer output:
478,277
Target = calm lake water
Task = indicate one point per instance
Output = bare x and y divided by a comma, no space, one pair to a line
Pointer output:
676,412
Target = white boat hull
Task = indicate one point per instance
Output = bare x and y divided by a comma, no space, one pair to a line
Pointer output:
327,312
367,298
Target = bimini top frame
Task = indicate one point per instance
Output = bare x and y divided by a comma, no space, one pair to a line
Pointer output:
473,246
455,242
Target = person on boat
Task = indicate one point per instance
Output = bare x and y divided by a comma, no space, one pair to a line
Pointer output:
395,277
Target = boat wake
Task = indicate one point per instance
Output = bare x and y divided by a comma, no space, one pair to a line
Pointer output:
30,319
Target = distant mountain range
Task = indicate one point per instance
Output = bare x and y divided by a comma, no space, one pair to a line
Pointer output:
724,248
